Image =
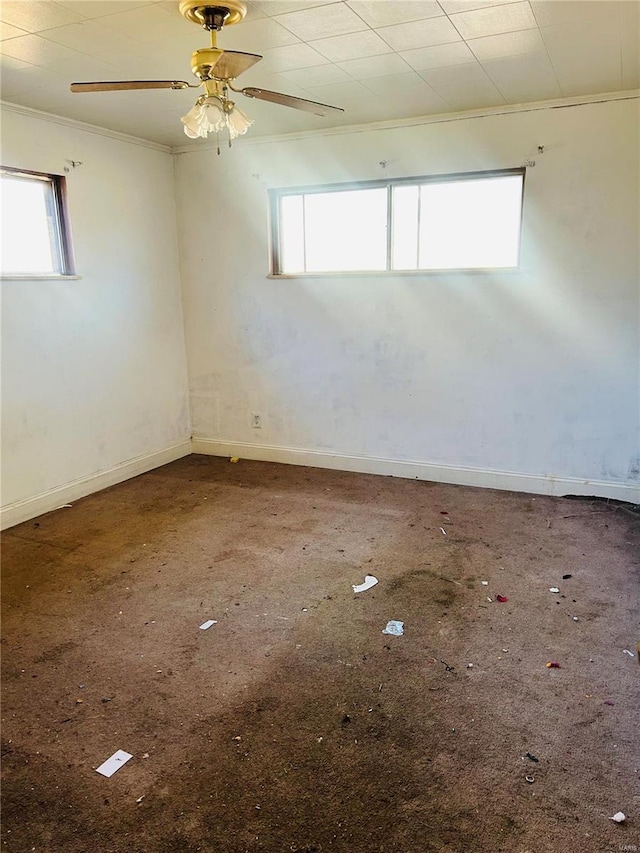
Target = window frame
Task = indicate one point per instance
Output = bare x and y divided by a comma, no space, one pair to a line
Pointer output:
59,216
275,194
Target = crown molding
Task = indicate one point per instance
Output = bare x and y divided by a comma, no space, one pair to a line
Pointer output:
19,109
418,121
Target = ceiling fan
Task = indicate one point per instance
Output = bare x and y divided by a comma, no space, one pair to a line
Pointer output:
216,69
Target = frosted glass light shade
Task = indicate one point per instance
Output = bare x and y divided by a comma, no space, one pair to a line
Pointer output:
208,115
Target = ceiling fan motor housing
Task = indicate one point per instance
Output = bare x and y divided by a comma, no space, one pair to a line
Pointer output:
204,60
213,16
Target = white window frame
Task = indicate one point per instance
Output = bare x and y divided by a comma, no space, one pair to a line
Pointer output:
58,226
276,194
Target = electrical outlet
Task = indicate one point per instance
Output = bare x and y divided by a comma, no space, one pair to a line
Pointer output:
256,420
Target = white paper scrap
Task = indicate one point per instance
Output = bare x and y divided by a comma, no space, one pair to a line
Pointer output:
627,652
619,817
208,624
369,581
553,589
485,583
396,629
109,767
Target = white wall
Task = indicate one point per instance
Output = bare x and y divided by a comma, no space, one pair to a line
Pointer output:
465,378
94,372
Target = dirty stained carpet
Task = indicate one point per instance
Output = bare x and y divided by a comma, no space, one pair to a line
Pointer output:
293,723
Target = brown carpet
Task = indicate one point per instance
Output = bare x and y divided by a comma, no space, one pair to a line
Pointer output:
294,723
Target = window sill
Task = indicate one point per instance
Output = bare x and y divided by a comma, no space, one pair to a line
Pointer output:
16,277
396,273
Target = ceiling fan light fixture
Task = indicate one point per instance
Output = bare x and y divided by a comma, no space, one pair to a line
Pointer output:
211,115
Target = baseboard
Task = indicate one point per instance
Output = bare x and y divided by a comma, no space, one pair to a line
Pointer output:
21,511
454,474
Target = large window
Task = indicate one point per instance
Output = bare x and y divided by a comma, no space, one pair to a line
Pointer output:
35,231
448,222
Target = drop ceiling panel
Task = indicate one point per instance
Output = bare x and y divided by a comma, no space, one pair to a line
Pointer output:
91,9
508,44
420,33
494,20
101,41
291,57
149,24
451,7
35,16
384,13
355,46
375,66
520,79
281,7
255,36
551,12
318,75
7,31
322,22
630,46
586,56
438,56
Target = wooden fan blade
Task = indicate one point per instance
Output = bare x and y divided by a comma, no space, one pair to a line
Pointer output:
127,85
290,101
233,63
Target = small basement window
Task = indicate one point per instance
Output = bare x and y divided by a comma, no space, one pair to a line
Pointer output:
447,222
36,240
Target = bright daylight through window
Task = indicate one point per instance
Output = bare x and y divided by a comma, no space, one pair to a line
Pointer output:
450,222
35,234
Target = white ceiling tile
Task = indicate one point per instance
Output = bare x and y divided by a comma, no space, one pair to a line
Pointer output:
281,7
455,75
519,79
322,22
586,56
420,33
383,13
551,12
292,56
418,101
90,9
392,83
253,12
36,15
151,24
36,50
257,36
355,46
494,20
470,95
375,66
16,84
438,56
359,104
11,63
451,7
630,45
7,31
319,75
507,44
92,37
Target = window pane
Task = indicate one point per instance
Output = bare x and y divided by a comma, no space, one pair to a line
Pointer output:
292,231
346,231
404,251
28,238
470,224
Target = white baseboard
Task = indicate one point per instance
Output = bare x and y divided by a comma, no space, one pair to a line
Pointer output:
536,484
21,511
